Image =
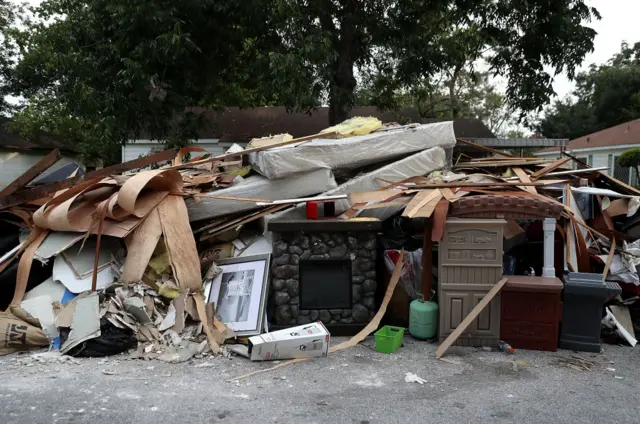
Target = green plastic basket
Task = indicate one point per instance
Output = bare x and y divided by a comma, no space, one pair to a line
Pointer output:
389,339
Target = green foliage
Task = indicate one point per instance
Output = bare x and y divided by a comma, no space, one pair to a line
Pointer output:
11,15
630,158
104,71
605,96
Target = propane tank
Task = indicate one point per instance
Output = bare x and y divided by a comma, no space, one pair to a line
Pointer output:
423,319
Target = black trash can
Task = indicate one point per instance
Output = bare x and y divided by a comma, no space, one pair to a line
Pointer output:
583,299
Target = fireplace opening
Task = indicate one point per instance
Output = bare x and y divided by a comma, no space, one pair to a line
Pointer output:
325,284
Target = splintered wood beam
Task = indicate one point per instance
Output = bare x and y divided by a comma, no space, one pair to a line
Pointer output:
549,168
35,193
32,173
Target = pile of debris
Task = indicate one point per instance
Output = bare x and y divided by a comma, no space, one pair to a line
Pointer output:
131,259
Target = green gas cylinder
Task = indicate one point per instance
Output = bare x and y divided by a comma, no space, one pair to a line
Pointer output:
423,319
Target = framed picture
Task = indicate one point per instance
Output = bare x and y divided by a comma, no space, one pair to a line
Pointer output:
239,293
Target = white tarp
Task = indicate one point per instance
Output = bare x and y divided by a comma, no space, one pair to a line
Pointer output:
422,163
352,152
298,185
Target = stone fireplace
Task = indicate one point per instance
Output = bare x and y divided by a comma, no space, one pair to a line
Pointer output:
323,270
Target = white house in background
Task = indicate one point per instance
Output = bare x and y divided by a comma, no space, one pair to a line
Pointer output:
18,154
603,148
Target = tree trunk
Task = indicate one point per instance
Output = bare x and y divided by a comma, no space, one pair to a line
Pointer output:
455,110
343,82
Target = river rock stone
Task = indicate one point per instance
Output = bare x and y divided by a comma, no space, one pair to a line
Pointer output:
296,250
356,293
285,271
370,244
358,279
284,314
277,284
324,316
352,243
280,298
303,319
314,315
292,287
320,249
346,313
282,259
369,286
360,313
370,274
295,300
339,238
338,252
305,255
295,311
369,302
295,260
279,248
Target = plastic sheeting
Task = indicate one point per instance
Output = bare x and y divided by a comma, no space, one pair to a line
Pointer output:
353,152
298,185
422,163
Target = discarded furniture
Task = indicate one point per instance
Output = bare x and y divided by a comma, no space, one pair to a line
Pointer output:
584,296
530,312
323,270
470,264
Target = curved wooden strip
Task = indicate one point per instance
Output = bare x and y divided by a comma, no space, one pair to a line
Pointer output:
145,190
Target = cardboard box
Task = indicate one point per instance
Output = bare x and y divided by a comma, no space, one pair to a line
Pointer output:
305,341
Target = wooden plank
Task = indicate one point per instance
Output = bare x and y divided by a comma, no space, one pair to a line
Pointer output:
499,164
612,252
525,179
551,167
32,173
239,221
420,199
469,318
427,210
256,149
361,207
30,194
448,194
485,148
372,196
464,184
439,220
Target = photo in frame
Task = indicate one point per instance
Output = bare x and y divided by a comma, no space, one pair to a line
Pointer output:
239,293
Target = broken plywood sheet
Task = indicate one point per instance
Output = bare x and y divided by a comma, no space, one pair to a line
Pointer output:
298,185
352,152
422,163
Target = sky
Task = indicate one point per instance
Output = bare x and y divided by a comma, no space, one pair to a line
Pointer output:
619,23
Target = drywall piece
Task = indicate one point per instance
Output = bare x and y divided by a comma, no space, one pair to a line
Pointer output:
352,152
55,243
81,258
54,289
257,186
416,165
85,324
41,308
136,307
63,273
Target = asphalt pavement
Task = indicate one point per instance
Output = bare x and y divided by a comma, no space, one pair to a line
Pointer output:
356,385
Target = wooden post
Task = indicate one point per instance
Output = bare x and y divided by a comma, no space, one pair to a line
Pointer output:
427,261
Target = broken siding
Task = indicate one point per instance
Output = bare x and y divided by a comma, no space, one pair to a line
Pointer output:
14,163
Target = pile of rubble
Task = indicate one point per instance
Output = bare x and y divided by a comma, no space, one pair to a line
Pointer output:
131,259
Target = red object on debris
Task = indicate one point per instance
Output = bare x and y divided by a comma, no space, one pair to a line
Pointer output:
312,210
